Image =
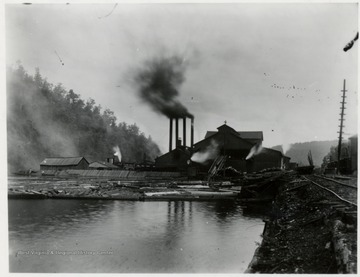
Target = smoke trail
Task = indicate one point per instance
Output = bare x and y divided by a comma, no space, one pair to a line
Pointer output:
117,151
286,147
256,149
158,85
210,152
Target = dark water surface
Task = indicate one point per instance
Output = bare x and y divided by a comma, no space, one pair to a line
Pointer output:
126,236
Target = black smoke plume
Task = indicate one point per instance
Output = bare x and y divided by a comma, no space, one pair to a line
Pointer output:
159,82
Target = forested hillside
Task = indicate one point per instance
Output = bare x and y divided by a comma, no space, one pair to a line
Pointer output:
45,120
298,151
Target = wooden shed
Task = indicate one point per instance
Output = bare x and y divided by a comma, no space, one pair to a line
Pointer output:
267,158
62,163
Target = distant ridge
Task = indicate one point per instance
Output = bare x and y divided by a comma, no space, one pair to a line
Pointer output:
298,151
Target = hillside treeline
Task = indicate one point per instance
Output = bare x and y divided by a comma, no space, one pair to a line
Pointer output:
46,120
298,152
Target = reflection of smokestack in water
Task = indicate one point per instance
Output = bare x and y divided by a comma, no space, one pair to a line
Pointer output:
184,131
192,132
176,130
170,134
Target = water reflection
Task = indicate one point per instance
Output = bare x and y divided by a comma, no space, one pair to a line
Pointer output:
262,211
168,237
34,217
225,209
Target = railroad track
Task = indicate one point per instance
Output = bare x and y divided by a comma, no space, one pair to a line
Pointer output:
341,200
339,191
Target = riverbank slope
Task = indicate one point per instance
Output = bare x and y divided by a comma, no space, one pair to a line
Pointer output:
308,232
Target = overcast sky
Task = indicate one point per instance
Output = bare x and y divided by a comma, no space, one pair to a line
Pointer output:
276,68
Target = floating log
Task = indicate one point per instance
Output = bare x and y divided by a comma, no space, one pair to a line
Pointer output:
161,193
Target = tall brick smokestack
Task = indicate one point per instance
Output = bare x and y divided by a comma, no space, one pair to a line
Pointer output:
192,132
184,131
170,134
176,131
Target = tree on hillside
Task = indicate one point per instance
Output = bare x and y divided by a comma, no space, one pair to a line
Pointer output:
332,156
46,120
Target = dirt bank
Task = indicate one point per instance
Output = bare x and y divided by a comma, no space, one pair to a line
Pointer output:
308,232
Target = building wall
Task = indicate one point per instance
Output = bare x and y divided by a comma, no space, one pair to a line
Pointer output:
55,167
83,164
286,162
354,153
226,143
266,159
223,141
239,165
174,160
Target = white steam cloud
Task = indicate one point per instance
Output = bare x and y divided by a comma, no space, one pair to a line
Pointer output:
117,151
209,153
286,147
256,149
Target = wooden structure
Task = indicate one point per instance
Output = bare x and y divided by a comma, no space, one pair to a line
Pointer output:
353,152
99,165
62,163
229,143
175,160
233,145
341,125
267,158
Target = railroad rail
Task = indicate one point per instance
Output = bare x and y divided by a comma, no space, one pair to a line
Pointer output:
344,224
344,192
335,181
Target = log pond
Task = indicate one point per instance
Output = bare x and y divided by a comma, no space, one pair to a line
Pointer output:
100,236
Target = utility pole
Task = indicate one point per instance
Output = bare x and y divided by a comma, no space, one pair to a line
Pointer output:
341,125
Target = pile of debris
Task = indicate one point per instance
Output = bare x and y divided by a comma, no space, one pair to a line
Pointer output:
305,236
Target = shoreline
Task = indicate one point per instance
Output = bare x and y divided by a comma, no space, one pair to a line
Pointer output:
306,233
103,189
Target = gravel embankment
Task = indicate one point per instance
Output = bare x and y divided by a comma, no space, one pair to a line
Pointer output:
308,232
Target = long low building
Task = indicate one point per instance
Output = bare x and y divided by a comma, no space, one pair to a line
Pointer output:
62,163
268,158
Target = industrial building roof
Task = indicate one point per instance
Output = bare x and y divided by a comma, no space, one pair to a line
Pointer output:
62,161
257,135
99,164
181,149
